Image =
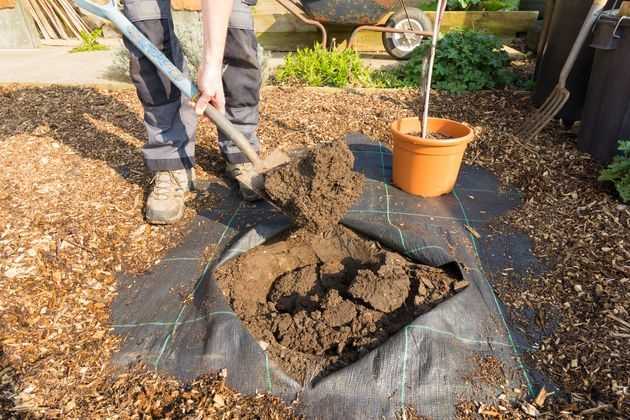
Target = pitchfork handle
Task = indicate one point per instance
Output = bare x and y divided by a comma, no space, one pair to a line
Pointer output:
591,17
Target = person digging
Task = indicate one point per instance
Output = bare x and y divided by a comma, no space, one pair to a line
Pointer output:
229,79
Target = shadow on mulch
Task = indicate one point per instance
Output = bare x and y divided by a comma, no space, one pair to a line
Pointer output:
97,124
8,382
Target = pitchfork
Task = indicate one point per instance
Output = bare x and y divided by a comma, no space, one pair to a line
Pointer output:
560,94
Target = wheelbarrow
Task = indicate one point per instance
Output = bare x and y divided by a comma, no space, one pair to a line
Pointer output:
403,27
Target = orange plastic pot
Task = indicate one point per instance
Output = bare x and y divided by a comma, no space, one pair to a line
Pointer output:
428,167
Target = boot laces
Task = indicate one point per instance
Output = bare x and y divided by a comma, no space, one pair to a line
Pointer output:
165,183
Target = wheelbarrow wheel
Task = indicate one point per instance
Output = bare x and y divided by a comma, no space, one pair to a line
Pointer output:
400,45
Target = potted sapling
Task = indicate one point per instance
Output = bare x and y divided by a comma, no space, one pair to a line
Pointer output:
428,151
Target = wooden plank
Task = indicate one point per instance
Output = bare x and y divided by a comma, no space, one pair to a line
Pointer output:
74,16
7,4
280,23
36,19
498,23
53,18
287,41
61,14
44,19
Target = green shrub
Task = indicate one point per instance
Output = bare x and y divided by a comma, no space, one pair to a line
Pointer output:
319,66
461,4
89,41
504,5
489,5
618,172
465,60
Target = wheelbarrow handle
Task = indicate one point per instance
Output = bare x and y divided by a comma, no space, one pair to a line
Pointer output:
185,85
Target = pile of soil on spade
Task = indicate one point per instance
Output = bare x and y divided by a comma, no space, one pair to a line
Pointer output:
319,302
317,189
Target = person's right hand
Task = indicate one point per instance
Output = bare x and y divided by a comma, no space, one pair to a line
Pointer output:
210,84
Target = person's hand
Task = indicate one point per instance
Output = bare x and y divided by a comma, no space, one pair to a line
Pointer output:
210,84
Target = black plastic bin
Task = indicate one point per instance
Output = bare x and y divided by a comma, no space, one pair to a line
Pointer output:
607,109
568,17
534,5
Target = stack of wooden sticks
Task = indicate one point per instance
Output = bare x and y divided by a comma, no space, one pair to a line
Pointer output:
56,19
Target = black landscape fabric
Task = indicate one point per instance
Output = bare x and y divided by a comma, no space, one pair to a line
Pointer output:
176,319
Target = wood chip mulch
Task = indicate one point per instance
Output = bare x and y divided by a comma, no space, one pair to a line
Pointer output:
72,188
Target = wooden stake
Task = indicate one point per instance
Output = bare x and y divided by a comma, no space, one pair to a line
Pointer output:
74,16
36,19
56,19
53,18
63,16
44,19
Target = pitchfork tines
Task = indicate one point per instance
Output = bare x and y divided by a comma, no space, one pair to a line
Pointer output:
546,113
560,95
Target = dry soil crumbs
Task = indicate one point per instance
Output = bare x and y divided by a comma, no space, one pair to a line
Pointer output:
435,135
321,302
318,189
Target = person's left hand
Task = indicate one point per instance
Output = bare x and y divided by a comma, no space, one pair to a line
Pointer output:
210,84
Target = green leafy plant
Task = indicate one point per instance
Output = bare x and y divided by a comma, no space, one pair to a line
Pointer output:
462,4
502,5
89,41
466,60
618,172
489,5
319,66
450,4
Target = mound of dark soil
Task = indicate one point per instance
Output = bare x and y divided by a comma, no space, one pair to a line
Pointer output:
318,303
317,189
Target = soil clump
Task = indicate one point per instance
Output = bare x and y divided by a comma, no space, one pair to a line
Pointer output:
317,189
319,302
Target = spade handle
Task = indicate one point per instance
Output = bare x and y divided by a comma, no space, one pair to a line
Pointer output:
184,84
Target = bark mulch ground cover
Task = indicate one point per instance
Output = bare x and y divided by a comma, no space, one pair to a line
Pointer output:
72,187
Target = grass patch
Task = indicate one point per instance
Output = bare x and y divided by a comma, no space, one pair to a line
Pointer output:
319,66
89,41
487,5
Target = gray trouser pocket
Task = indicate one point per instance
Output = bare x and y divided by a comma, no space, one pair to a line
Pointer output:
241,84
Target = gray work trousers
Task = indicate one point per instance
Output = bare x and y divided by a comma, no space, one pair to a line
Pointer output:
169,119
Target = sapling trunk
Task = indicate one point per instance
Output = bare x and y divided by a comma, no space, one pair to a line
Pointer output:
422,84
439,13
